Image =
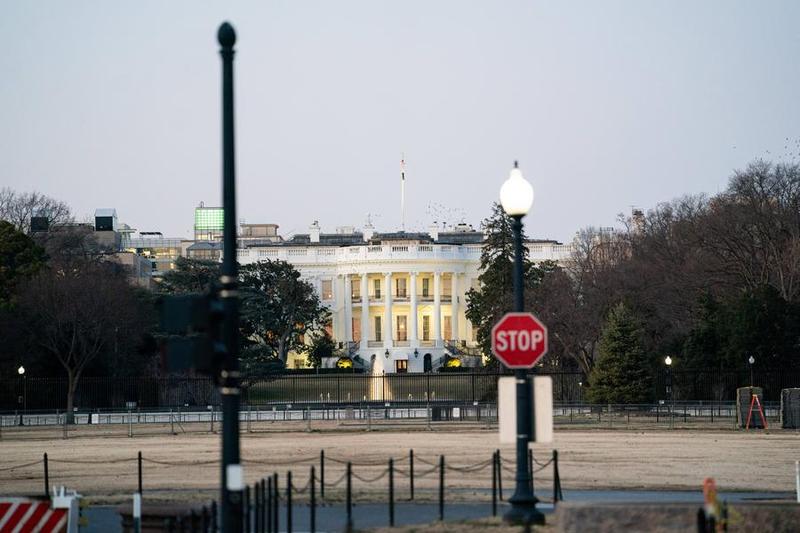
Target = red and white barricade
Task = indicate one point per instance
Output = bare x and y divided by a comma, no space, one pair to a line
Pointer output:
29,515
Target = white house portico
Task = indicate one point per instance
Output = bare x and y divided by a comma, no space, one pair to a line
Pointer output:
397,300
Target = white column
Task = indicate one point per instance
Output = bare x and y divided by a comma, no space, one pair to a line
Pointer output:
437,309
454,307
412,319
348,308
364,311
338,318
387,310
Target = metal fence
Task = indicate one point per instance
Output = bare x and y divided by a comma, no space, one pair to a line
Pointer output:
31,394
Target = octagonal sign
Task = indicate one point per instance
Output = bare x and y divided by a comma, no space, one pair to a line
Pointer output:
519,340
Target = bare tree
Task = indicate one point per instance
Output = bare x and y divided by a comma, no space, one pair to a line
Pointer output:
76,312
18,208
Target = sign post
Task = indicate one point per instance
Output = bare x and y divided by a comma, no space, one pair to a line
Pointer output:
519,340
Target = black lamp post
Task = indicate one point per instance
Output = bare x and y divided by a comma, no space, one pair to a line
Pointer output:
232,475
21,372
751,360
516,197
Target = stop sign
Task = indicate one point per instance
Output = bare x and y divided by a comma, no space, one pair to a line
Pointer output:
519,340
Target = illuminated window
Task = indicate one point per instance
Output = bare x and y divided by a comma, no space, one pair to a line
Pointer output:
447,334
426,327
401,366
355,291
356,329
402,322
401,288
378,333
327,289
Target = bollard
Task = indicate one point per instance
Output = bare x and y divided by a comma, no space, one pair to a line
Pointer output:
494,484
411,472
555,477
441,487
391,492
246,508
349,526
130,424
46,478
322,474
499,475
257,507
269,504
263,505
289,501
139,460
313,502
214,523
276,507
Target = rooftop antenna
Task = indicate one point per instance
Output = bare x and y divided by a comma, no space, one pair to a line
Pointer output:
402,191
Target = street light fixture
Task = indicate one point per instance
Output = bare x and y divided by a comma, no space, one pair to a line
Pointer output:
668,362
516,197
751,360
21,372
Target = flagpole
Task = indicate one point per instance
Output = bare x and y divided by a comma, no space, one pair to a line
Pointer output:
403,193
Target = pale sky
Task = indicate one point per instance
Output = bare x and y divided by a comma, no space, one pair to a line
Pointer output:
605,104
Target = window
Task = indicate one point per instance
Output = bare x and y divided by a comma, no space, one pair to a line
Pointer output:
327,289
401,288
447,286
426,287
447,334
401,366
356,329
474,334
355,291
402,322
378,333
377,285
426,327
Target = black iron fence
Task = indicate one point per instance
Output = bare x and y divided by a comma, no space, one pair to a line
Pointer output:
568,387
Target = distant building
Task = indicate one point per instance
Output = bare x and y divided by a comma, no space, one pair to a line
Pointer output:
162,252
397,300
208,223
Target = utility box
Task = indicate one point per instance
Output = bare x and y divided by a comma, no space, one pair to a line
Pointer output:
743,399
790,408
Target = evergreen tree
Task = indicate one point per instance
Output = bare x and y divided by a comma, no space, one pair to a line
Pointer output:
322,346
495,296
622,373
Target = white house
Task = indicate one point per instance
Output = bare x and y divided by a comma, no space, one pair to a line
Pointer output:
397,299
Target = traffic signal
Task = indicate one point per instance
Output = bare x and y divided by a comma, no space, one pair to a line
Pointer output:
193,323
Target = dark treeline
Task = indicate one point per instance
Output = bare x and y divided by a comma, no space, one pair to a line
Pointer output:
709,281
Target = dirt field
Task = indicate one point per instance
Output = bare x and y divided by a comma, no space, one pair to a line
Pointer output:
103,466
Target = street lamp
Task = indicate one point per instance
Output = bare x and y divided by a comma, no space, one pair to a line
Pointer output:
751,360
21,372
668,362
516,197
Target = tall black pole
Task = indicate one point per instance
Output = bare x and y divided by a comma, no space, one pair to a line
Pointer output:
232,476
523,502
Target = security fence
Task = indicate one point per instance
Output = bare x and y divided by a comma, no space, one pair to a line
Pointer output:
30,394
